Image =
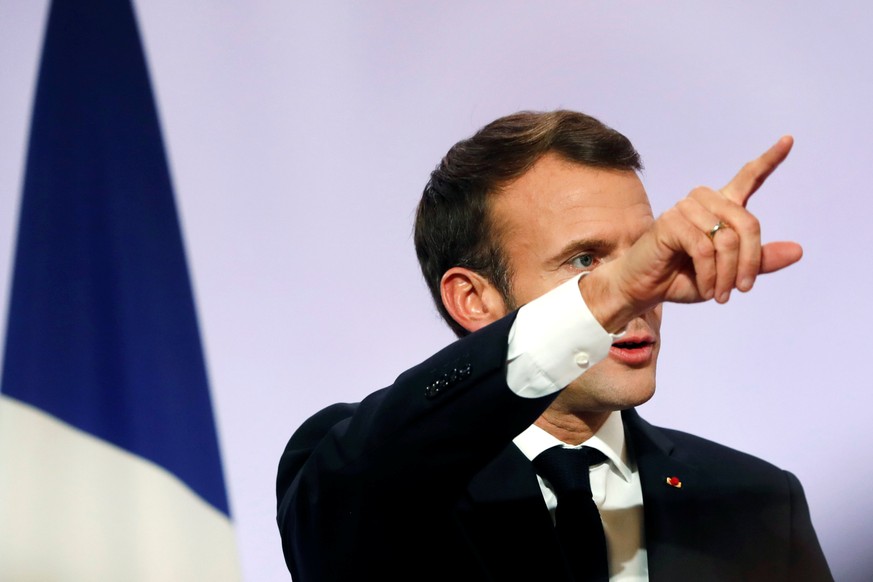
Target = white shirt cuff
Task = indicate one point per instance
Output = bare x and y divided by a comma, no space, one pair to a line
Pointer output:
553,341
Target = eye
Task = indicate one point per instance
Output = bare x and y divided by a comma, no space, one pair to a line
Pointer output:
583,261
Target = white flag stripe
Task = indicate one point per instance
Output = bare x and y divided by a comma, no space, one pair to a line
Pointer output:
133,520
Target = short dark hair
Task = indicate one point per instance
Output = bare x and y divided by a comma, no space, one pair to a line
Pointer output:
453,225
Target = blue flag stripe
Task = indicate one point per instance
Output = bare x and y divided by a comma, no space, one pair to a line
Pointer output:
102,331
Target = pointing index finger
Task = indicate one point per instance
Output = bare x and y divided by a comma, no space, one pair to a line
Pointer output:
753,174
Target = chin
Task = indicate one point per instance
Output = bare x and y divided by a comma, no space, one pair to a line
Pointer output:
630,387
639,397
597,392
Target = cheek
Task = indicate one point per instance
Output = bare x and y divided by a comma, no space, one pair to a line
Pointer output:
527,286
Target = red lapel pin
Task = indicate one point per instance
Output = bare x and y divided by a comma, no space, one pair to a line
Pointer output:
674,482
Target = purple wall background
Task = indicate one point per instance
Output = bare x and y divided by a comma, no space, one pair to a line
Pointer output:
300,136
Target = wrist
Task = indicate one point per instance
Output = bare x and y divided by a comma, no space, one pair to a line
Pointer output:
608,306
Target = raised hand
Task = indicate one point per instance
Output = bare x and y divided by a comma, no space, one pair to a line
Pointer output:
685,257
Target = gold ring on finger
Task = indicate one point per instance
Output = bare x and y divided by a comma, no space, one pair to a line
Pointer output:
721,224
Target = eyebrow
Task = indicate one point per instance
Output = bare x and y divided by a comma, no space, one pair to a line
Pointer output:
574,247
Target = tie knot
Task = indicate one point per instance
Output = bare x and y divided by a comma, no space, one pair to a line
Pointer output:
567,469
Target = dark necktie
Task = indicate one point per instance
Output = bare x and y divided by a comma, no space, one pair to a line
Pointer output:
577,519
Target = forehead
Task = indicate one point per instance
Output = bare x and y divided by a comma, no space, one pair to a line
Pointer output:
557,200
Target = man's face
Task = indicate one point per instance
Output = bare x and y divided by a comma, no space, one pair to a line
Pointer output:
561,218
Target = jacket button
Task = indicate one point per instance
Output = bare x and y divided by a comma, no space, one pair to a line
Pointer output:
447,380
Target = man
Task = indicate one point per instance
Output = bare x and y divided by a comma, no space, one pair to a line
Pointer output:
538,243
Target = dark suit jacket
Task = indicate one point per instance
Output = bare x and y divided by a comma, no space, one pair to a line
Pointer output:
424,473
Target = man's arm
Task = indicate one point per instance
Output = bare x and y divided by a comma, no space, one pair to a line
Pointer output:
357,481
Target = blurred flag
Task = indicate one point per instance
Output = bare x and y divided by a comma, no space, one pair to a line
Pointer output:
109,461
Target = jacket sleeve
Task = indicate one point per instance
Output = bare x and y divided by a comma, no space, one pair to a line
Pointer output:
358,477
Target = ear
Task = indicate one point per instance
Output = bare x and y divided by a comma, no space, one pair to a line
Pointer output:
470,299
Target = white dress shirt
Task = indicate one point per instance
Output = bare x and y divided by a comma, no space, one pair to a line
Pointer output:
553,341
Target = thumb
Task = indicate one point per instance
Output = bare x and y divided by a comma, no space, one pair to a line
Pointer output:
778,255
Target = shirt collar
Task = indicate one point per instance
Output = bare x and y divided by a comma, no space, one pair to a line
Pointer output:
609,440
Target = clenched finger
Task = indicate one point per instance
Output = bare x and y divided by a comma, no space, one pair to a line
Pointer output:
745,230
727,245
725,242
680,230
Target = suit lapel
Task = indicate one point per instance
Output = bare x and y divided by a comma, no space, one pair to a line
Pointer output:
677,516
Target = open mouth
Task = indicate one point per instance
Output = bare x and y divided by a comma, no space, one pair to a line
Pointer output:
633,351
632,345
